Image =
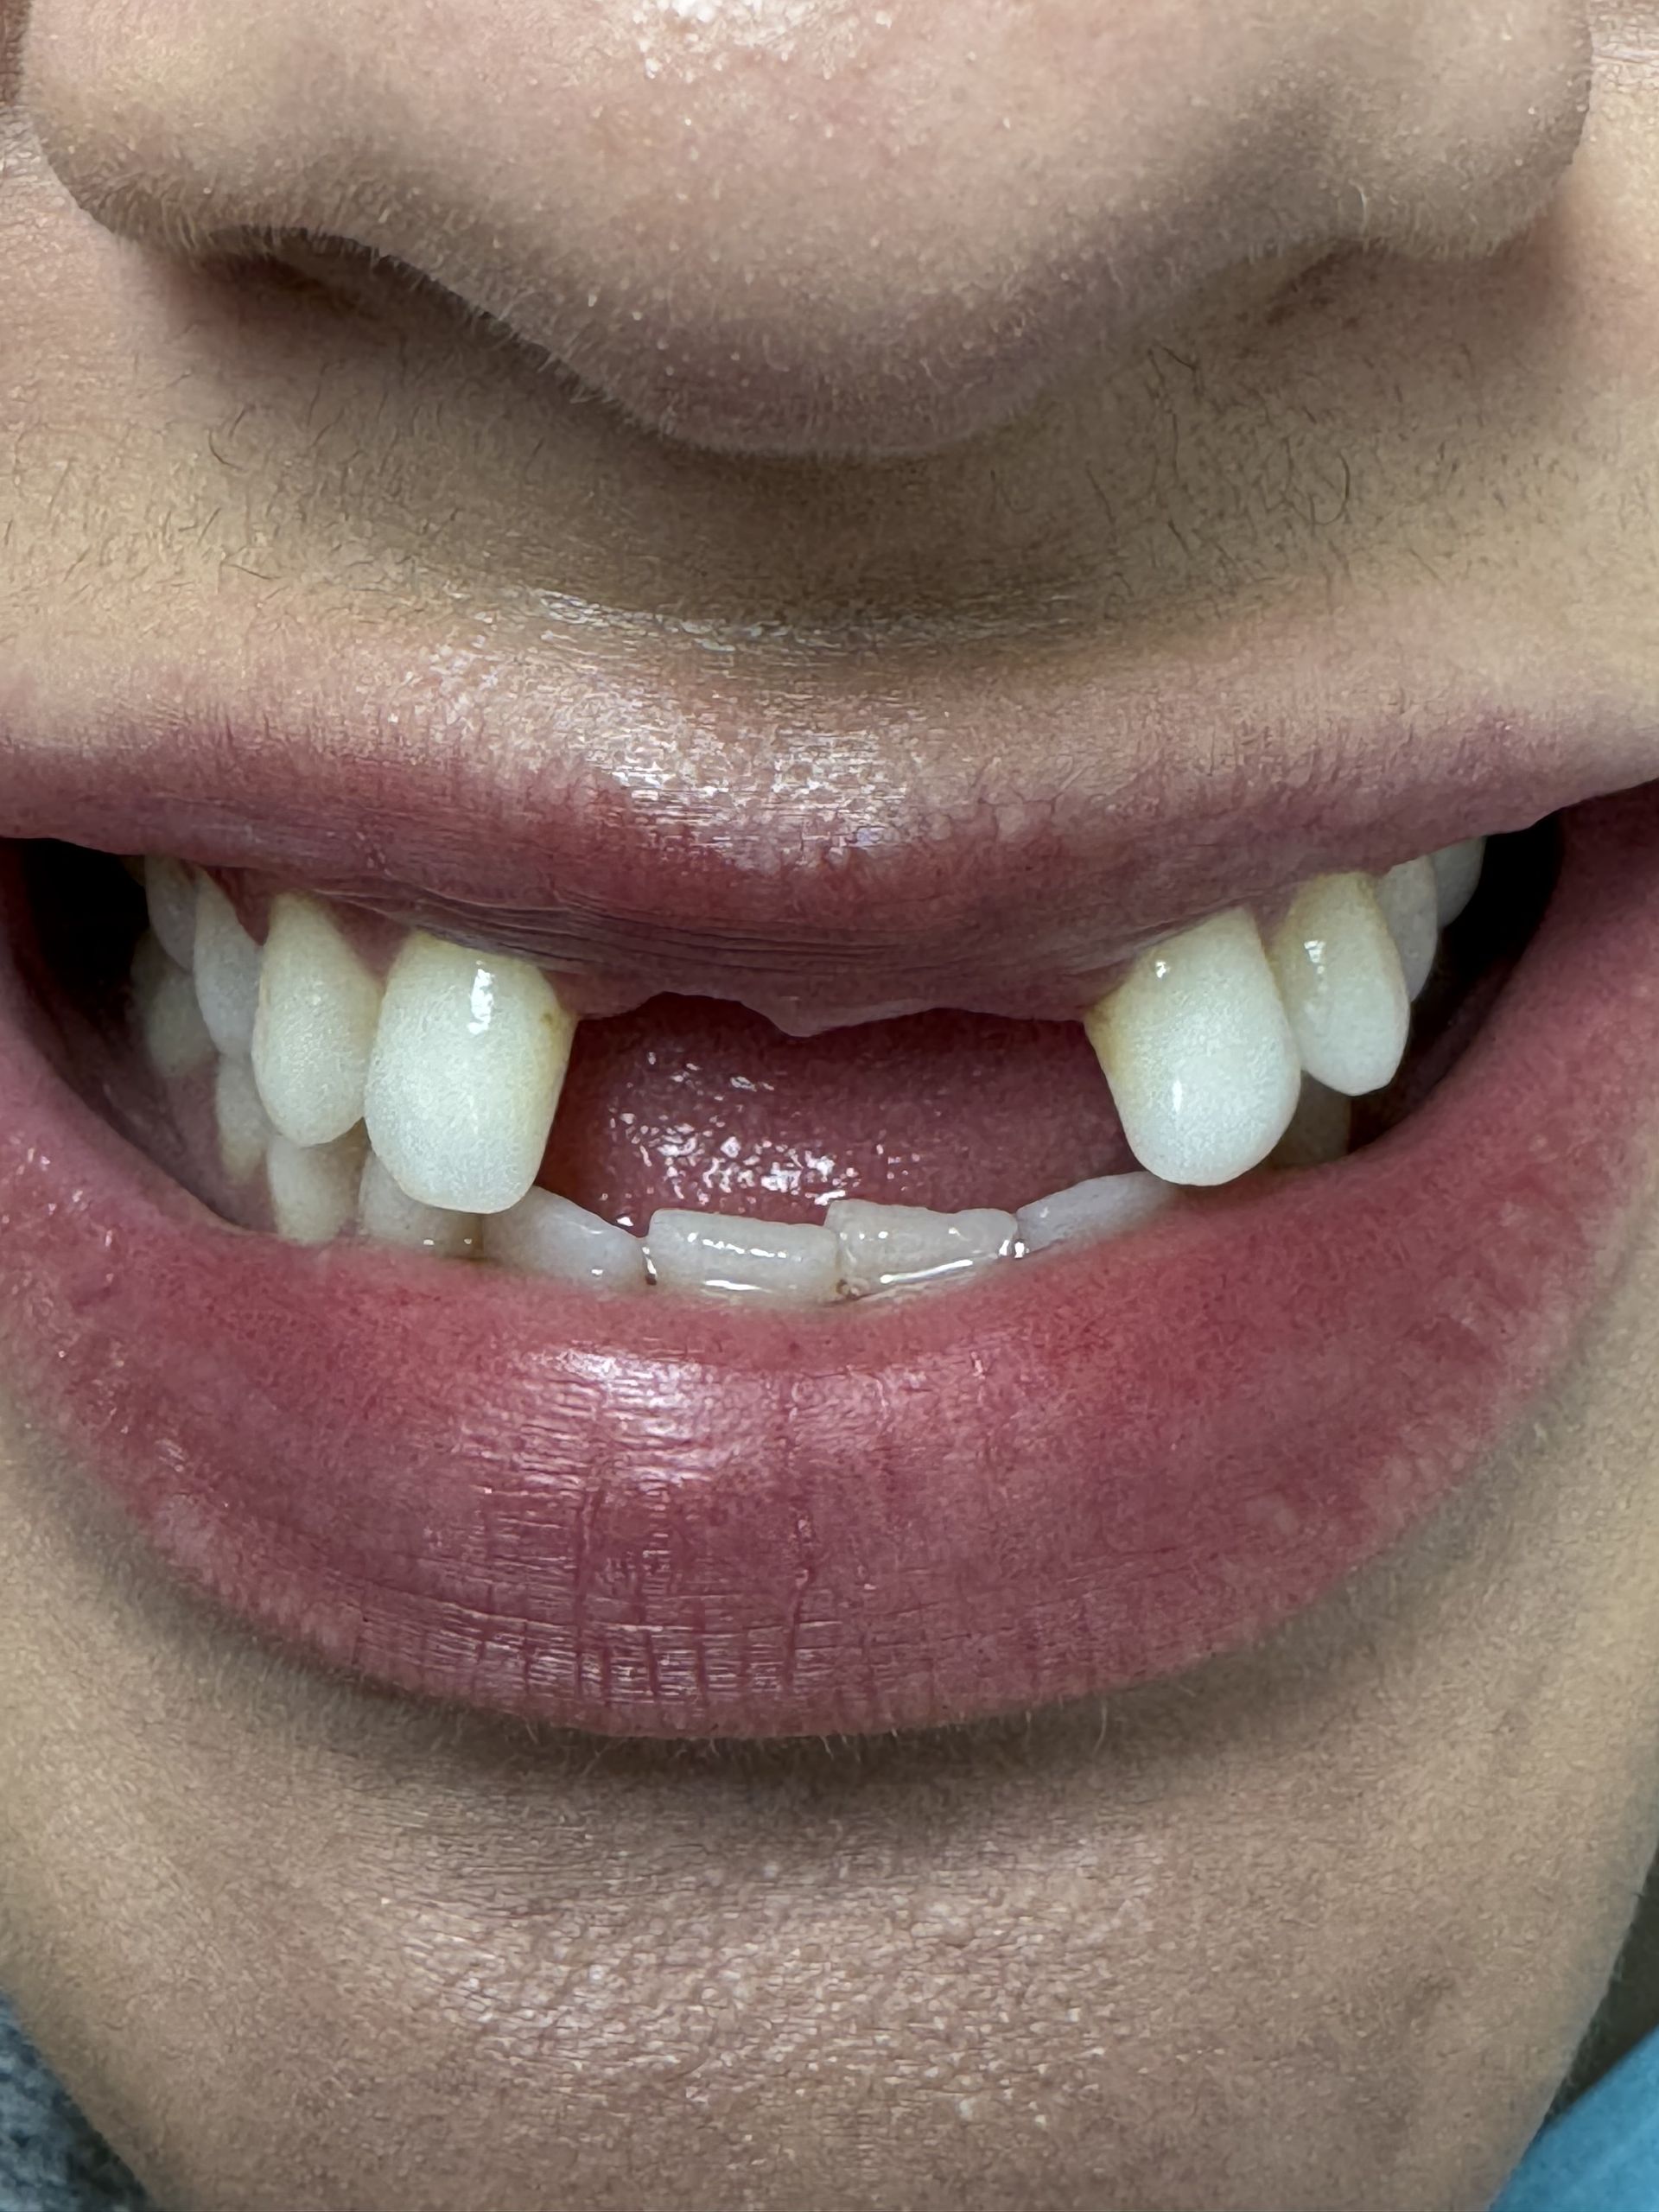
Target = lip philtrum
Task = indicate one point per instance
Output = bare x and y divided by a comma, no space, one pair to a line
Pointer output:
453,1060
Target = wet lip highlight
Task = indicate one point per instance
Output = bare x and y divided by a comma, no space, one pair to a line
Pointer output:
826,845
668,1520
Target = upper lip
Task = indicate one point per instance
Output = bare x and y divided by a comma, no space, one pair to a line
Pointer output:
818,840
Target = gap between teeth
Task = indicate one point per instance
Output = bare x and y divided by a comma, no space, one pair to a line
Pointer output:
417,1110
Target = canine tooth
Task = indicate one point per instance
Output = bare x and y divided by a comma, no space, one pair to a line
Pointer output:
790,1263
887,1247
469,1056
314,1187
390,1217
1410,906
546,1235
170,1021
1318,1129
227,970
1091,1211
170,895
1457,871
1340,979
244,1131
314,1028
1197,1050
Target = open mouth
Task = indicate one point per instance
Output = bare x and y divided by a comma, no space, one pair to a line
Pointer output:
510,1333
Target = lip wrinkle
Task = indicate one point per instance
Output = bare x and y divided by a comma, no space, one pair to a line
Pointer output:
649,1516
834,846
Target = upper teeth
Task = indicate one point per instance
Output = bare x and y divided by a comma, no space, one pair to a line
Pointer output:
455,1065
468,1061
314,1029
1340,977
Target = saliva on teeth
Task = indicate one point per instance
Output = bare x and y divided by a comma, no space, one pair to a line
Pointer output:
415,1108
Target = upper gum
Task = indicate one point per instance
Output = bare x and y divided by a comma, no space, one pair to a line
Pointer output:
376,937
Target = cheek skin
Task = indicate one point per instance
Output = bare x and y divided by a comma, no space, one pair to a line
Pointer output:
1326,1916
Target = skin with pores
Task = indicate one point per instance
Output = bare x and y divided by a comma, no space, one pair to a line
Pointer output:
1319,1924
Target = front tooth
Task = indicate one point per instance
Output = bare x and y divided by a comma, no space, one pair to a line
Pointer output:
1341,985
1410,904
1197,1050
1457,871
788,1263
314,1029
227,970
170,1021
170,894
892,1248
389,1215
244,1131
546,1235
314,1187
1090,1212
468,1059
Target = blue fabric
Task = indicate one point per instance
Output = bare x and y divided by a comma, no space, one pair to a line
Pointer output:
51,2159
1602,2154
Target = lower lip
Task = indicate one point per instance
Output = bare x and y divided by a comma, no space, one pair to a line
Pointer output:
652,1517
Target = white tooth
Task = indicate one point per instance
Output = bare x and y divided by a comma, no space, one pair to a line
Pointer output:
227,970
314,1028
1457,871
468,1059
1090,1212
890,1248
314,1187
1340,979
786,1263
170,894
1410,907
1318,1129
390,1216
244,1132
1199,1052
546,1235
170,1021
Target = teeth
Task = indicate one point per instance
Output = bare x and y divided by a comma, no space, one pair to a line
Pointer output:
1340,980
170,894
386,1214
314,1187
1318,1129
1090,1212
169,1020
1410,903
468,1059
887,1247
1457,871
791,1263
1199,1052
244,1131
315,1025
421,1110
227,970
546,1235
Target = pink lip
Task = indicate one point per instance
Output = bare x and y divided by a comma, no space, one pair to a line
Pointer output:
645,1517
825,847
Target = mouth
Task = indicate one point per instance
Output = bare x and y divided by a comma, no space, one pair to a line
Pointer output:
749,1340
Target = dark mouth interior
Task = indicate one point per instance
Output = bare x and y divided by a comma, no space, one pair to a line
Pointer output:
700,1102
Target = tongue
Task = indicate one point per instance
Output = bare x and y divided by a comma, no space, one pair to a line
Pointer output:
696,1103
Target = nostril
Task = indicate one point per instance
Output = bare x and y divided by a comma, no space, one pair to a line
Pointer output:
850,232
